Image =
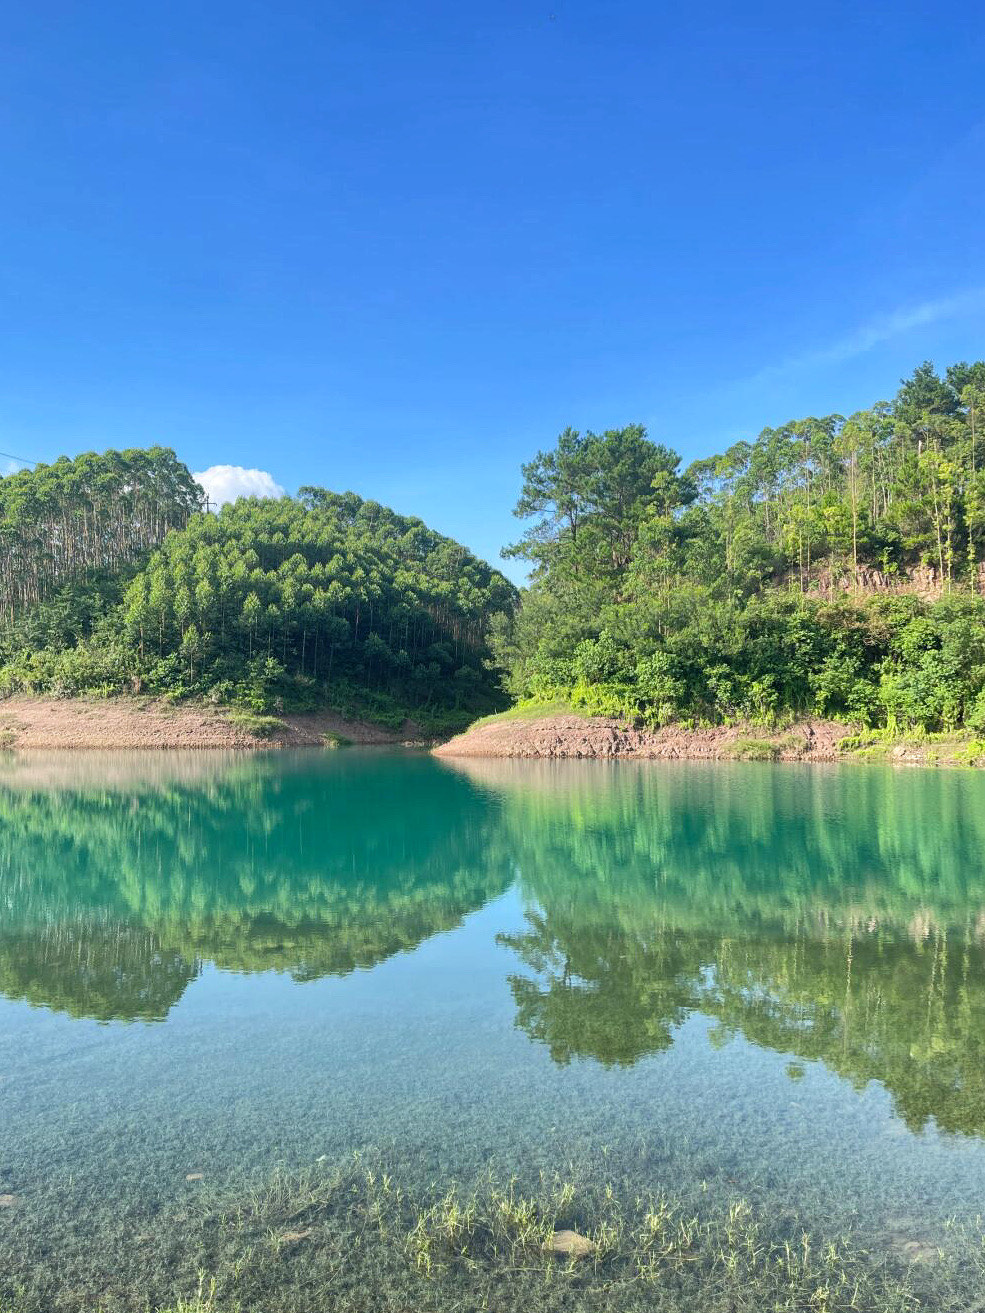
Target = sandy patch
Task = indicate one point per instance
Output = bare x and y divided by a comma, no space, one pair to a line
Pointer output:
147,723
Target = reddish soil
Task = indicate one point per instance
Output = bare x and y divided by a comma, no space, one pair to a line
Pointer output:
599,737
146,723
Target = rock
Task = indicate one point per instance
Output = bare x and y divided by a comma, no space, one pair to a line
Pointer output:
915,1251
7,1200
571,1244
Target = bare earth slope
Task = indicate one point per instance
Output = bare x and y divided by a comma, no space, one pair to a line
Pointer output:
600,737
147,723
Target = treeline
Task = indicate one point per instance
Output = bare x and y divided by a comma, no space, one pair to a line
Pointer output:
788,575
281,604
775,579
95,514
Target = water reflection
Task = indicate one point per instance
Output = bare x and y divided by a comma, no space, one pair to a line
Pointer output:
836,915
833,915
114,889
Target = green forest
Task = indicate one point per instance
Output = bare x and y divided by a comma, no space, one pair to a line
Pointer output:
833,566
116,579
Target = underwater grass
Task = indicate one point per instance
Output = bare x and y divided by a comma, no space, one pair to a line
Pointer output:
350,1238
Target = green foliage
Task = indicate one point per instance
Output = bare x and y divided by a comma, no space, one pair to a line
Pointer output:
85,520
768,582
773,580
261,727
747,749
269,605
336,741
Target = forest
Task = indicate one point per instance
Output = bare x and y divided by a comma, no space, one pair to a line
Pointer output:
833,566
117,580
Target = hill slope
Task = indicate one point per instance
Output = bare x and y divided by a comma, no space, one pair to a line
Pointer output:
326,599
736,590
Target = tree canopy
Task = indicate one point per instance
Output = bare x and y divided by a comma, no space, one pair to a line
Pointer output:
834,566
293,602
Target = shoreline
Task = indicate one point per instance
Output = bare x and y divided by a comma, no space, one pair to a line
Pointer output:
71,724
38,724
569,736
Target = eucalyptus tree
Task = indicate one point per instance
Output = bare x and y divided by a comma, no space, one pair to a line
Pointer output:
96,514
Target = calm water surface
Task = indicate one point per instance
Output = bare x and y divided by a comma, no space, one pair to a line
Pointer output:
757,979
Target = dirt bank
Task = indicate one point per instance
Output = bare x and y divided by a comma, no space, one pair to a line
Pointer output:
148,723
598,737
570,736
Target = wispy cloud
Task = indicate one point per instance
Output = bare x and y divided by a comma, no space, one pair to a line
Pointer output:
880,329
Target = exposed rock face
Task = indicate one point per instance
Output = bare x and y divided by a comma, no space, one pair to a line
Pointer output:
925,581
603,738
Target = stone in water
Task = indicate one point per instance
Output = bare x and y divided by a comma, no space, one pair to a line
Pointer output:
571,1244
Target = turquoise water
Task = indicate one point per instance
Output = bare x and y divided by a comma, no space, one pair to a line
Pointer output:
718,980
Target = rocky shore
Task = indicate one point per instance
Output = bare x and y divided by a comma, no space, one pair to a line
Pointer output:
571,736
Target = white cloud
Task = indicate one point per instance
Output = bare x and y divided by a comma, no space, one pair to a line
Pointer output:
880,329
224,483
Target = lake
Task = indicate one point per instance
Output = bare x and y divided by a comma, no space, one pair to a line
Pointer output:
282,1020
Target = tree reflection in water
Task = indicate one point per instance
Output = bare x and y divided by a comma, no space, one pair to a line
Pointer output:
833,915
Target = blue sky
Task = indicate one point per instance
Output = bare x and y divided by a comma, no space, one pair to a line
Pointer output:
398,247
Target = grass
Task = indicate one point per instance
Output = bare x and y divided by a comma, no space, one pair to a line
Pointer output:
530,710
956,748
750,749
352,1239
249,722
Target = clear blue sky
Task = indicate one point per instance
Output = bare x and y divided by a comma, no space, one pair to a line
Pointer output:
397,247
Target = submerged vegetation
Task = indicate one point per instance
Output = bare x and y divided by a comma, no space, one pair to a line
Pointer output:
833,567
324,1237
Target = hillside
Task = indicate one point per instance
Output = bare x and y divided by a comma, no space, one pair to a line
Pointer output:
294,604
830,568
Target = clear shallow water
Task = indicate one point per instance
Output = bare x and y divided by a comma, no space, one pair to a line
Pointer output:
721,980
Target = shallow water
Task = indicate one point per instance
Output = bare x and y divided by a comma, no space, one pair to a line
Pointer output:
717,979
